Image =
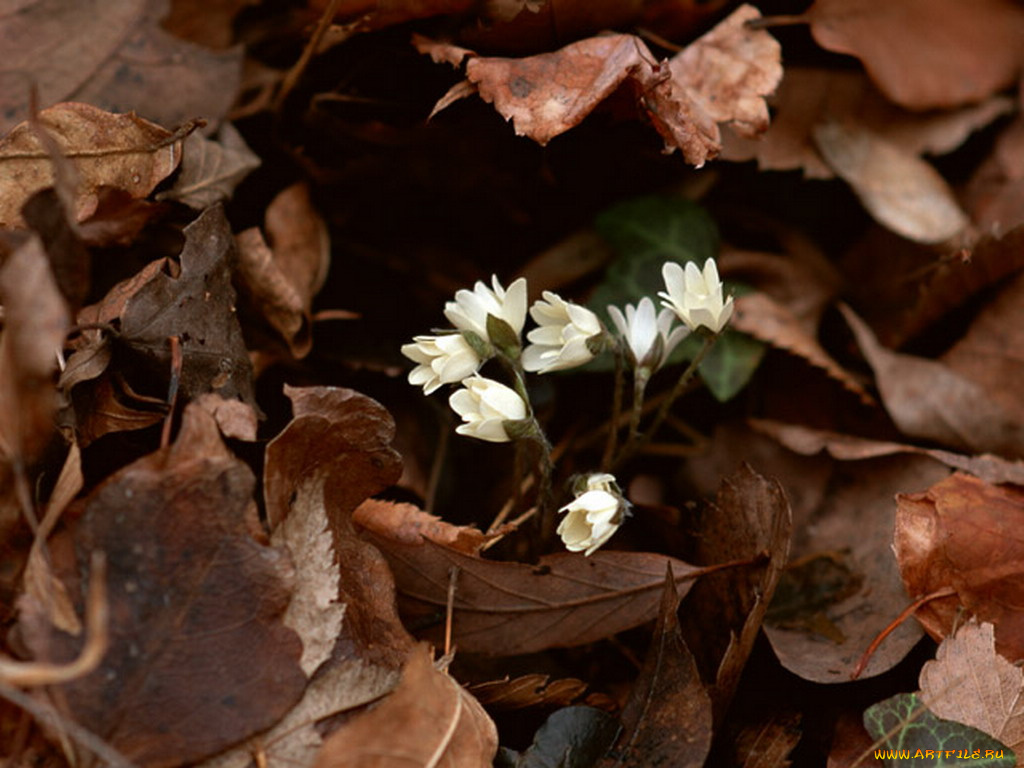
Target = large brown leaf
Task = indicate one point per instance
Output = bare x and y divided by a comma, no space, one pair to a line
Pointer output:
430,720
199,658
504,608
965,534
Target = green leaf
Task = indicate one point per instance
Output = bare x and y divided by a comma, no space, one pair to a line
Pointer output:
915,738
730,363
572,737
645,233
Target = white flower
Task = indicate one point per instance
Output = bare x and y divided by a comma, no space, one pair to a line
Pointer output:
561,340
594,515
485,405
470,309
695,297
641,330
445,359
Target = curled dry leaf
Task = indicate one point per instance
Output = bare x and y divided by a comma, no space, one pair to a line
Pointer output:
429,720
900,190
721,77
929,400
767,320
408,524
122,151
965,534
186,580
210,170
926,54
667,718
969,683
528,691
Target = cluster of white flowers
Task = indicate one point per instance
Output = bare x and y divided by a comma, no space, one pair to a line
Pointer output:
488,322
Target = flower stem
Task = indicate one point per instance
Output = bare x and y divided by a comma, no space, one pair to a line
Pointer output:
613,426
640,378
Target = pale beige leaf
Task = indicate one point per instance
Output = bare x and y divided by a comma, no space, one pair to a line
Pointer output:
122,151
970,683
900,190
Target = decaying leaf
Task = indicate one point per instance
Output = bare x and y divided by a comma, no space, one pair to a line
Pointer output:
969,683
408,524
925,54
210,170
965,534
440,724
122,151
186,581
928,400
721,77
901,191
667,719
767,744
528,691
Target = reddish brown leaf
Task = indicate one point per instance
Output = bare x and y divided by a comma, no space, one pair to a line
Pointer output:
528,691
122,151
965,534
927,53
408,524
504,608
198,658
929,400
667,719
429,720
995,194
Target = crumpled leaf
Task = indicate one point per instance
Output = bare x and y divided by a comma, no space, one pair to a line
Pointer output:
926,54
210,170
408,524
667,718
965,534
122,151
440,724
721,77
928,400
915,737
186,581
901,191
969,683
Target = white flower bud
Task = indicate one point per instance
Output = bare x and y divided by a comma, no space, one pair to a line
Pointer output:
445,359
470,309
485,405
594,515
642,331
696,297
561,340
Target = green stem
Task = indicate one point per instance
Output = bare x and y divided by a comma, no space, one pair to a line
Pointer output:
640,378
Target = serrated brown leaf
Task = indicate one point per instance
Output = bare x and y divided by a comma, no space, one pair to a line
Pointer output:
965,534
114,150
929,400
504,608
969,683
198,658
667,718
925,54
211,169
429,720
900,190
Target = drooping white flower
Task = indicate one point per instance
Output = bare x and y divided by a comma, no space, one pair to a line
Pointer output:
695,296
485,405
561,340
594,515
642,332
445,359
470,309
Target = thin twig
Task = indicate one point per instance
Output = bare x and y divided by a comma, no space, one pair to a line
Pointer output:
613,425
172,390
296,72
453,577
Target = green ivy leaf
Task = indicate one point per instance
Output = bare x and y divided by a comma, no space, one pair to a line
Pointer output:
915,738
730,363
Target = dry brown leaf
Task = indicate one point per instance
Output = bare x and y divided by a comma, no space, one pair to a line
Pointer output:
528,691
667,718
808,97
122,151
900,190
186,581
995,194
439,725
767,320
721,77
965,534
969,683
210,170
767,744
929,400
925,54
807,441
408,524
206,22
